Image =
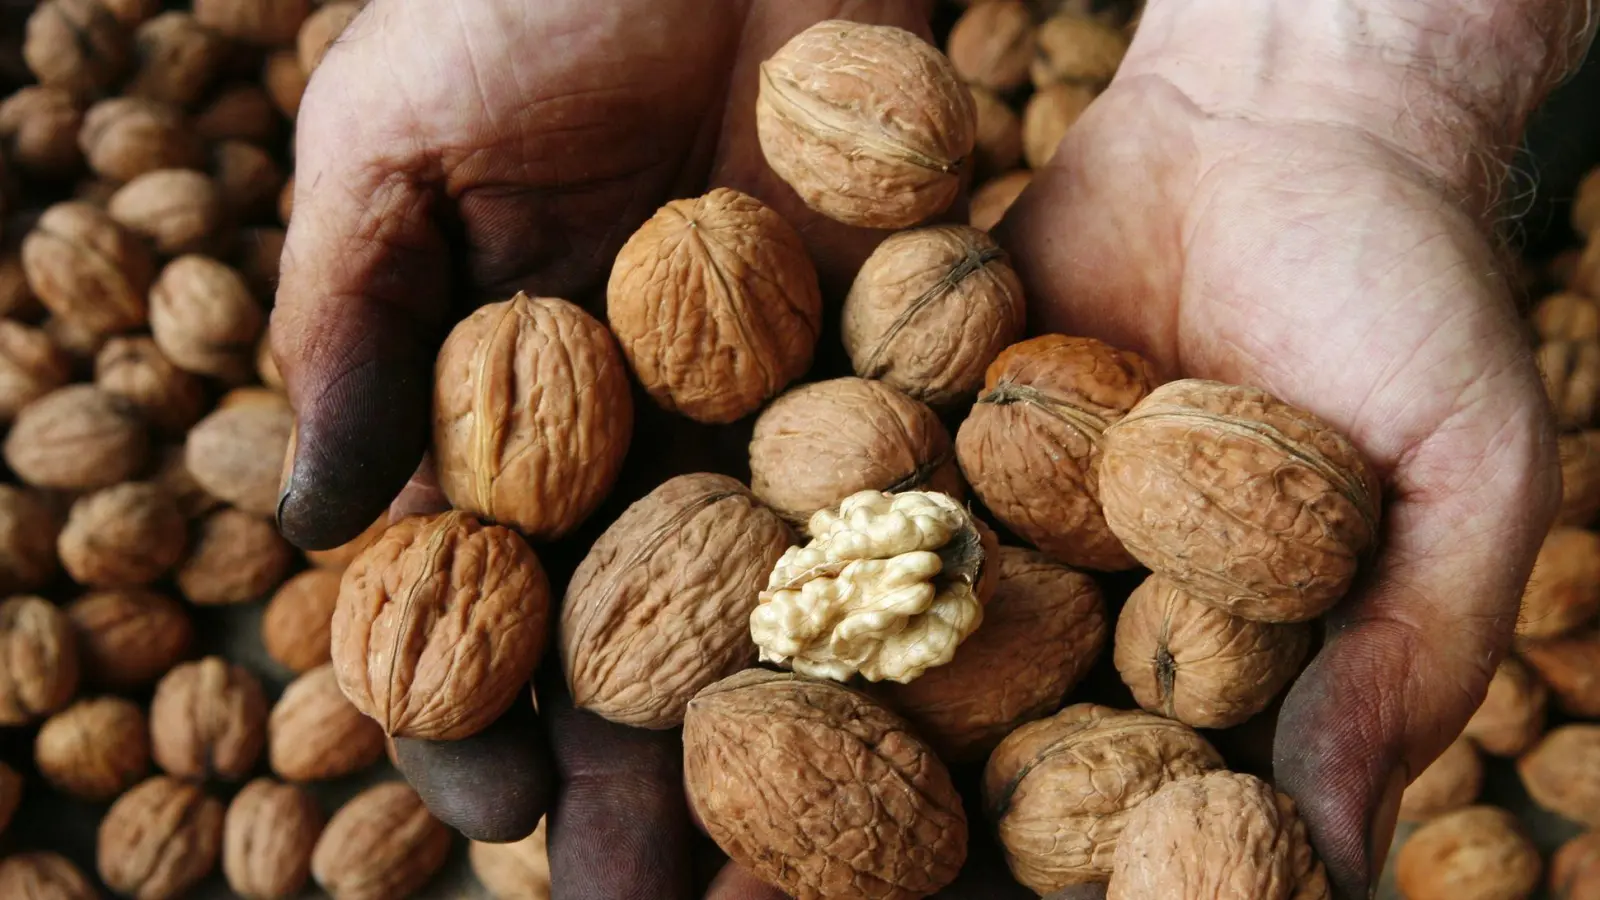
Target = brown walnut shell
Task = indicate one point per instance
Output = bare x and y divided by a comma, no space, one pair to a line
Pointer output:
265,23
16,297
126,535
516,871
247,178
1478,851
382,845
236,454
268,834
70,335
125,137
1586,204
1512,715
240,112
1571,668
31,365
1571,371
820,792
178,59
1449,783
135,369
1562,773
868,123
314,734
237,557
39,131
1575,869
87,269
1567,316
77,46
38,660
208,719
177,210
296,626
1076,50
1563,592
999,141
129,637
159,839
42,875
94,749
172,473
991,201
284,80
28,528
1047,118
1580,477
78,438
991,45
204,318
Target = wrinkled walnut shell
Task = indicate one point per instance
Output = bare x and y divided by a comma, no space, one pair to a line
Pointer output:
159,839
178,59
87,269
125,137
1575,868
127,535
1479,851
208,719
204,318
31,365
135,369
1571,668
991,45
236,454
265,23
1076,50
267,837
1571,371
1567,316
129,637
43,876
1562,773
236,558
78,438
1563,592
382,845
38,660
1511,717
314,734
94,749
1449,783
77,46
177,210
39,131
295,627
1049,115
1580,478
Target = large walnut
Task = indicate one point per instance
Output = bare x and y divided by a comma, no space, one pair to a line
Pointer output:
39,130
159,839
177,210
1575,868
819,791
1250,504
208,720
991,45
94,749
77,46
39,875
178,58
87,269
296,625
1076,50
1571,667
266,23
236,558
1059,790
439,625
1562,773
129,637
236,454
531,415
716,305
125,137
38,660
78,438
267,837
1478,851
204,318
31,365
28,528
126,535
382,845
1511,717
314,734
1449,783
1564,590
135,369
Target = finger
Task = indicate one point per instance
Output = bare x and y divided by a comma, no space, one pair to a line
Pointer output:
493,786
734,882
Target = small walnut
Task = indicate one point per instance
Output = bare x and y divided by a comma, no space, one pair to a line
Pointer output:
1571,372
716,305
516,871
321,29
204,318
1571,667
1580,478
177,210
172,473
314,734
991,201
1564,590
1562,773
159,839
10,799
129,637
267,837
1566,316
419,672
259,252
531,415
208,720
43,876
1042,631
1451,782
125,137
1047,118
264,23
991,45
178,58
77,438
31,365
240,112
343,555
236,454
660,607
868,123
846,802
295,627
1221,836
94,749
1511,717
1574,870
819,443
382,845
999,133
38,660
246,177
87,269
77,46
28,528
39,131
1060,790
285,81
135,369
1479,851
1076,50
237,557
1273,535
126,535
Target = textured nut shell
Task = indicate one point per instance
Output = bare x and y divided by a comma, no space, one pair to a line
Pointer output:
10,796
296,625
39,130
237,557
382,845
208,720
1049,115
94,749
516,871
439,625
1580,478
868,123
78,438
531,415
1575,868
268,23
204,319
1195,663
43,876
177,210
1479,851
716,305
88,269
1222,836
1571,668
991,45
999,133
28,529
344,554
660,606
124,536
990,203
1449,783
178,58
172,473
819,443
38,660
240,112
1571,371
31,365
1562,773
159,839
129,637
236,454
1567,316
247,178
1248,503
1043,629
321,29
1564,590
16,297
1059,790
1512,715
125,137
1031,445
267,837
820,792
315,734
134,369
1077,50
76,45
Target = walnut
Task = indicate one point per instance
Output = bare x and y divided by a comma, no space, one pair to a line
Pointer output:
260,250
237,454
79,343
999,133
177,210
1566,316
819,443
1511,717
10,799
314,734
1571,371
660,607
268,834
246,177
28,529
1048,116
126,535
77,438
129,637
1060,790
77,46
208,720
382,845
1451,782
1571,667
159,839
1580,477
716,305
94,749
237,557
1562,773
285,81
265,23
31,365
240,112
39,131
868,123
321,29
419,672
1564,590
204,318
1250,504
343,555
172,473
991,201
531,415
1076,50
1043,629
1222,836
295,627
86,268
178,58
1031,445
516,871
845,802
1478,851
43,876
134,368
1574,870
991,45
38,660
125,137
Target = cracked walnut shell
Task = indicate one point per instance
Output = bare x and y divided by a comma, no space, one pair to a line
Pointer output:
1562,773
1448,783
159,839
94,749
178,58
1249,504
1511,717
208,719
88,269
314,734
129,637
888,587
381,845
126,535
77,438
43,876
1571,667
868,123
532,415
268,834
820,792
38,660
1479,851
1563,592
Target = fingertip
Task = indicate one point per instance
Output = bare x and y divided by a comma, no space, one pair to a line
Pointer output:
492,787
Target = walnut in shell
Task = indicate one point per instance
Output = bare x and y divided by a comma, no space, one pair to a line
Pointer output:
31,365
1571,667
236,454
1511,717
1249,504
1048,116
204,318
237,557
1059,790
178,59
172,473
1586,204
439,625
776,761
295,627
531,415
991,45
125,137
321,29
177,210
159,839
284,80
38,660
28,528
1449,783
79,342
1562,773
135,369
1076,50
208,719
515,871
991,201
1564,590
87,269
16,297
247,178
39,131
129,637
268,834
77,46
1567,316
1575,869
868,123
126,535
1571,371
382,845
1580,477
314,734
41,875
264,23
999,130
1479,851
240,112
94,749
78,438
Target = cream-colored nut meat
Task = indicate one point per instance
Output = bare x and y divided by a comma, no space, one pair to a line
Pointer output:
889,586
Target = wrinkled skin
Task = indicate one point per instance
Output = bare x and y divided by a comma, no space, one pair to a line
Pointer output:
1218,238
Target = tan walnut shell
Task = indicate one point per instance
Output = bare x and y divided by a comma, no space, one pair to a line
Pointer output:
135,369
87,269
177,210
439,626
1479,851
129,637
516,871
94,749
1512,715
314,734
1563,592
1575,868
1047,118
208,719
159,839
531,415
236,454
31,365
125,137
28,528
819,443
660,606
77,438
868,123
1580,477
820,792
126,535
284,80
1448,783
247,177
39,130
41,875
999,145
77,45
1076,50
1571,667
297,623
1248,503
930,310
204,318
178,59
1060,790
1562,773
236,558
1043,629
266,23
242,111
382,845
268,834
992,44
716,305
38,660
1567,316
1030,448
1571,371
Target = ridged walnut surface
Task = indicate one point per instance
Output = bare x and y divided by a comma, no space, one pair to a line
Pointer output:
87,269
38,659
1476,852
78,438
1575,867
1448,783
819,791
94,749
382,845
41,875
208,719
1562,773
236,453
314,733
1250,504
28,529
159,839
267,838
